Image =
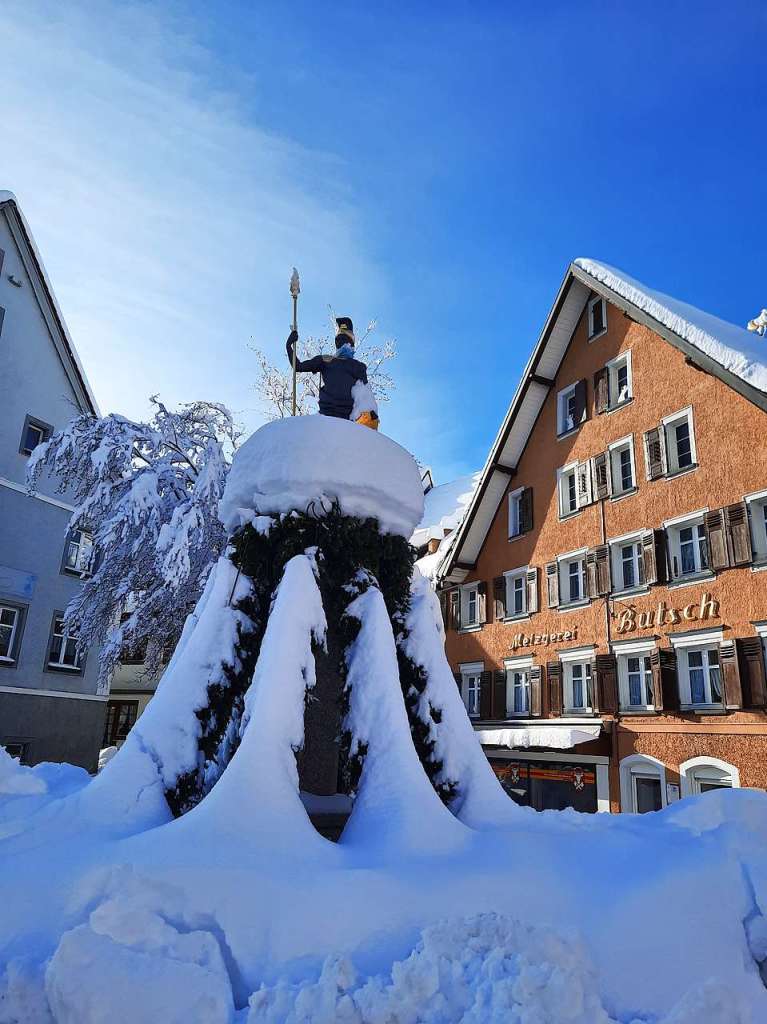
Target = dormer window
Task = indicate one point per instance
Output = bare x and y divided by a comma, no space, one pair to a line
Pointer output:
597,317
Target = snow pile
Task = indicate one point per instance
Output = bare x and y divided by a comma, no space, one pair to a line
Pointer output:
364,400
734,348
308,462
18,780
478,970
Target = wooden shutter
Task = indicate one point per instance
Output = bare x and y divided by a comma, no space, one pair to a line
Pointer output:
526,510
552,584
554,676
602,553
459,682
665,684
482,602
752,671
455,608
532,590
499,598
716,537
591,573
607,682
738,534
583,481
536,697
486,695
600,471
732,693
652,553
580,401
443,606
499,694
601,390
655,452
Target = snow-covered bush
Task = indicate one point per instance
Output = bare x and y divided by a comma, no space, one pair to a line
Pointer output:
148,494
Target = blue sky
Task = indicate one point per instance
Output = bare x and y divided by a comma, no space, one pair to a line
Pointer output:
433,166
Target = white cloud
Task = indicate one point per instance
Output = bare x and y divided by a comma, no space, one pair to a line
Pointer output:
168,220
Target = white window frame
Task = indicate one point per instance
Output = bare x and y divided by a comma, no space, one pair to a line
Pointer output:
466,591
673,528
510,578
10,659
563,490
614,450
471,670
616,562
514,510
66,638
563,568
563,397
612,367
672,455
757,525
78,569
640,765
632,649
690,770
704,640
521,666
585,657
592,303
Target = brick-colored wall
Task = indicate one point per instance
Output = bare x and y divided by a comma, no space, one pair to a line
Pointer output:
729,436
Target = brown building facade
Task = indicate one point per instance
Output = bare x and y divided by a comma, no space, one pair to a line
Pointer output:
605,599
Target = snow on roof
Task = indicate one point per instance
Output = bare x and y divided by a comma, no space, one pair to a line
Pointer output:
444,508
9,197
734,348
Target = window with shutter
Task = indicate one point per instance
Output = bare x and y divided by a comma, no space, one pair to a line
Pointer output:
532,590
601,394
516,593
688,544
536,702
679,441
602,556
482,602
665,685
655,453
591,574
757,515
716,539
552,584
554,677
584,484
526,510
499,598
738,536
650,557
597,317
499,710
753,675
455,608
600,471
732,693
580,402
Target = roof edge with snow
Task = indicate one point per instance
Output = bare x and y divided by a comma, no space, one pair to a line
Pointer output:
691,331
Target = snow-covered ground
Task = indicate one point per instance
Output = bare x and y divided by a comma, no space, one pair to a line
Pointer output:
113,912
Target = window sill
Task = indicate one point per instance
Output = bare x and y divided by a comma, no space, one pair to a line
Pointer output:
635,711
703,709
673,474
687,581
517,536
619,405
760,566
471,629
563,435
580,712
72,669
600,334
569,515
78,574
574,605
624,494
523,617
630,592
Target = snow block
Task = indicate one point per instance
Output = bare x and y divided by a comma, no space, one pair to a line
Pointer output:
290,464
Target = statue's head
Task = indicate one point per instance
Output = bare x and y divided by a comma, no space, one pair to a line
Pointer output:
344,331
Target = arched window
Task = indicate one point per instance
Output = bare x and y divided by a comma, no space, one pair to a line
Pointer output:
702,774
643,784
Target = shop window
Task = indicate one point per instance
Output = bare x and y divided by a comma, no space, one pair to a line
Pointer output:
121,716
643,784
704,774
597,317
688,547
572,579
622,468
548,785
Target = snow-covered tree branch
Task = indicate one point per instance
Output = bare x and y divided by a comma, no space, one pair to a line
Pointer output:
274,383
147,493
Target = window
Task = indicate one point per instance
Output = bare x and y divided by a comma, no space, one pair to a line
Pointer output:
635,682
471,687
622,471
520,511
704,774
619,381
62,651
518,686
680,441
567,415
35,432
597,317
643,784
577,694
572,579
516,593
568,490
10,620
121,715
688,547
700,678
757,514
470,609
78,556
627,555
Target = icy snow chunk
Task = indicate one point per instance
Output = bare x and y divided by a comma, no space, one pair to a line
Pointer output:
128,964
16,779
290,464
734,348
364,400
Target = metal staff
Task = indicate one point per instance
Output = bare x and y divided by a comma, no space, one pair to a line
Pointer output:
295,288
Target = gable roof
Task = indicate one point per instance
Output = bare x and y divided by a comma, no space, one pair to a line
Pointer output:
728,352
34,266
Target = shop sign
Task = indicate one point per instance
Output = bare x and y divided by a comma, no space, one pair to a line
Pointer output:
533,639
696,611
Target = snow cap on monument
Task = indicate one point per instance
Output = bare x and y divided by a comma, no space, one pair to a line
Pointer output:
293,464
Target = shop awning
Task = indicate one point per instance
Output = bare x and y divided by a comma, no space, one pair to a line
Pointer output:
556,737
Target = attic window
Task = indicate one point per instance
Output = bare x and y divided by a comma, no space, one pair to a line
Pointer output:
34,433
597,317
